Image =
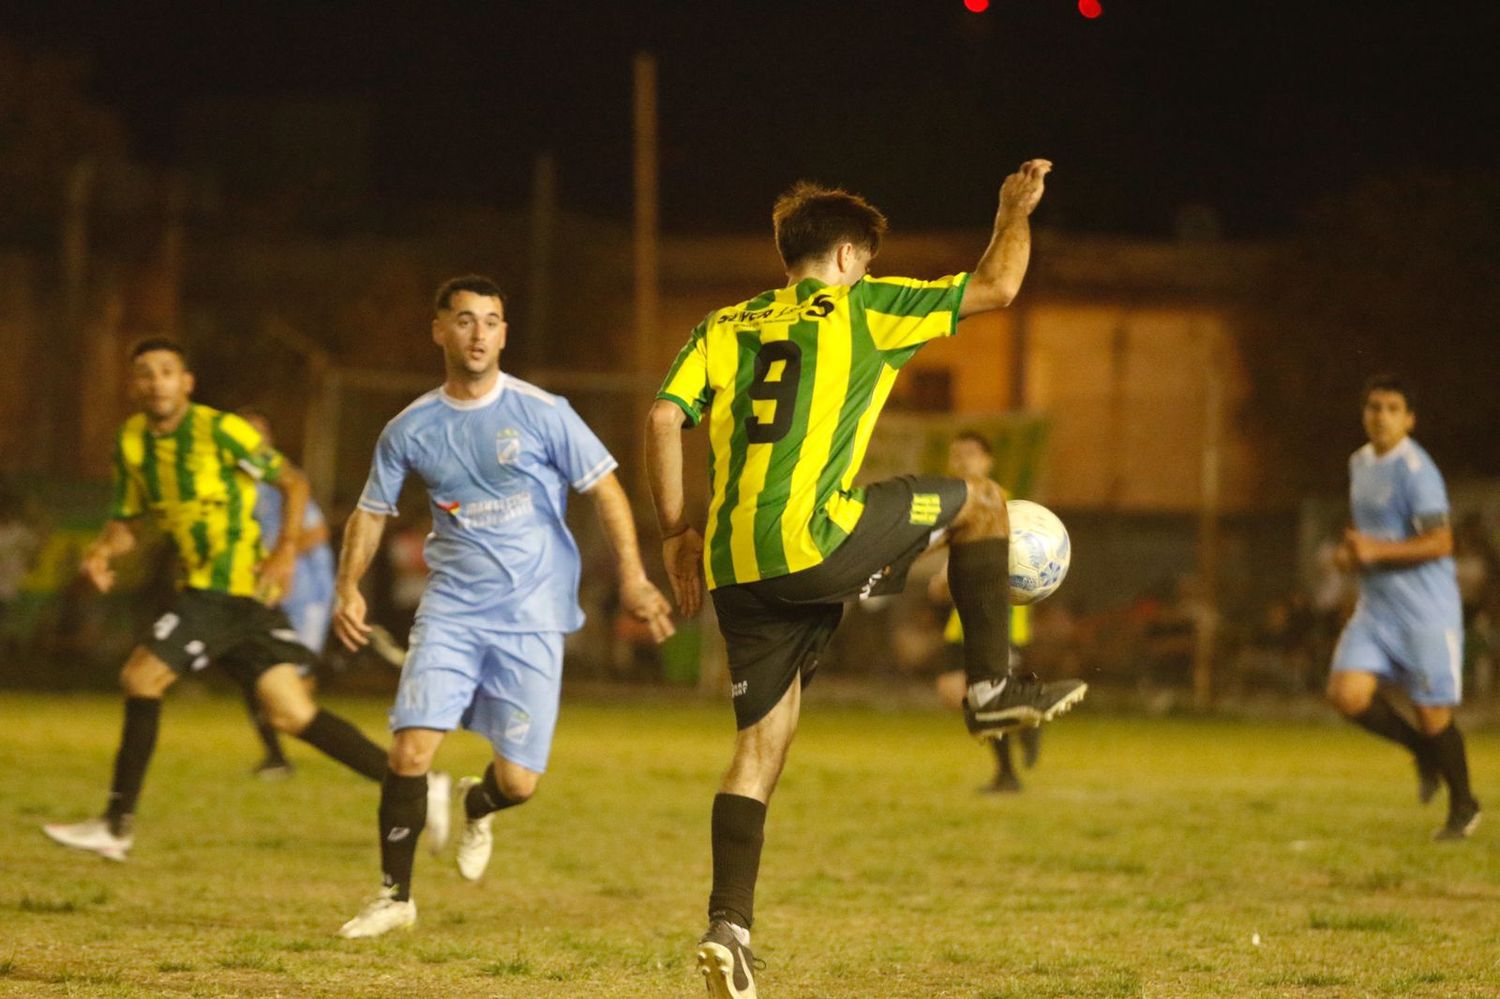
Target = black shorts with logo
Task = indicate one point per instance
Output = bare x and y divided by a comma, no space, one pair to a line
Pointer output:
241,635
776,628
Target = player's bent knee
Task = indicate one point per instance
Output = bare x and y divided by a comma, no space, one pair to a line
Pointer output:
1347,700
983,514
410,759
289,719
517,786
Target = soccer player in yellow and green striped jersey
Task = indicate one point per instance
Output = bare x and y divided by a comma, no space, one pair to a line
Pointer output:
194,470
790,383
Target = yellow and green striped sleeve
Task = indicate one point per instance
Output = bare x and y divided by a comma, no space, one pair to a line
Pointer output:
903,312
687,381
247,448
128,498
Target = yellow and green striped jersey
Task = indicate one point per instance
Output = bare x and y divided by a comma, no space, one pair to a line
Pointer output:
792,382
199,483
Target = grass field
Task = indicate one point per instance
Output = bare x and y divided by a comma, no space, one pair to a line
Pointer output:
1143,859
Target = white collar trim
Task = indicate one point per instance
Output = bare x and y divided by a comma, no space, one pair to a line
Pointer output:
483,401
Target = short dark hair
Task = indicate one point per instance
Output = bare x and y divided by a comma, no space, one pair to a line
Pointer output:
1388,382
476,283
149,344
810,220
975,437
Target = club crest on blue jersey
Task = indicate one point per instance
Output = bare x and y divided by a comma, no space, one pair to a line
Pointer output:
508,446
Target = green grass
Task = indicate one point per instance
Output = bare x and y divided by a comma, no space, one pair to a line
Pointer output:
1141,860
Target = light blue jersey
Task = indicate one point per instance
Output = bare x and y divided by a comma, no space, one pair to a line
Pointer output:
1388,496
497,472
309,603
1408,626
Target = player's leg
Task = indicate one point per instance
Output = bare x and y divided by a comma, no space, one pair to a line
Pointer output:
290,708
1436,688
309,618
437,686
273,764
738,835
184,638
1360,664
979,578
1005,780
144,679
515,708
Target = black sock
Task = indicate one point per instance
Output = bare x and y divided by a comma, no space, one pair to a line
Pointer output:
268,737
403,813
334,736
739,825
137,743
979,576
486,797
1448,753
1383,720
1003,765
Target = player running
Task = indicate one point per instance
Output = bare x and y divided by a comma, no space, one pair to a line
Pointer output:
1407,629
195,469
497,456
791,383
307,605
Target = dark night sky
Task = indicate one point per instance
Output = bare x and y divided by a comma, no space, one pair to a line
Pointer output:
1255,108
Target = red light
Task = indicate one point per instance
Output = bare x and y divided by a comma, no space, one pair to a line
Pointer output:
1090,8
977,6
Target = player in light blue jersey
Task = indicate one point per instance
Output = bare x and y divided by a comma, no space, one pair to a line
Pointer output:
308,604
1407,630
498,457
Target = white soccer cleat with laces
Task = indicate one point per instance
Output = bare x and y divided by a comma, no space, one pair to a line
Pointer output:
92,835
439,811
476,841
381,915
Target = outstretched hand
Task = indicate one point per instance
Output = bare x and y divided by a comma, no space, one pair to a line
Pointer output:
1022,190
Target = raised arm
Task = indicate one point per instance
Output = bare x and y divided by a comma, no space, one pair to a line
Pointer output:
682,545
638,597
997,277
361,542
117,538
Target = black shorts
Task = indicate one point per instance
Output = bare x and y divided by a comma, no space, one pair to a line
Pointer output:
241,635
776,628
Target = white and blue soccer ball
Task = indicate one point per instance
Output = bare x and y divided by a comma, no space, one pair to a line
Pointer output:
1039,551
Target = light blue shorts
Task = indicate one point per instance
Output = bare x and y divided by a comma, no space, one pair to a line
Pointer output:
1426,662
503,685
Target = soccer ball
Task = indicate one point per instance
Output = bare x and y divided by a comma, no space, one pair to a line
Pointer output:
1039,551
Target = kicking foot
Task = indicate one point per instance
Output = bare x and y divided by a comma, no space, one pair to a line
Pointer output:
476,841
727,965
1463,819
439,811
381,915
995,707
92,835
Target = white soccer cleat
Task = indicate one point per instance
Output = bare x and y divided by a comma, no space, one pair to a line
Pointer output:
476,841
92,835
381,915
439,811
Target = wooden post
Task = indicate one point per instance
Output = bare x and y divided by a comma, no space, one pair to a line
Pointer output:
1205,633
647,255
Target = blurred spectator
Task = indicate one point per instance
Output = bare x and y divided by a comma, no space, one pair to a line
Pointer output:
19,544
